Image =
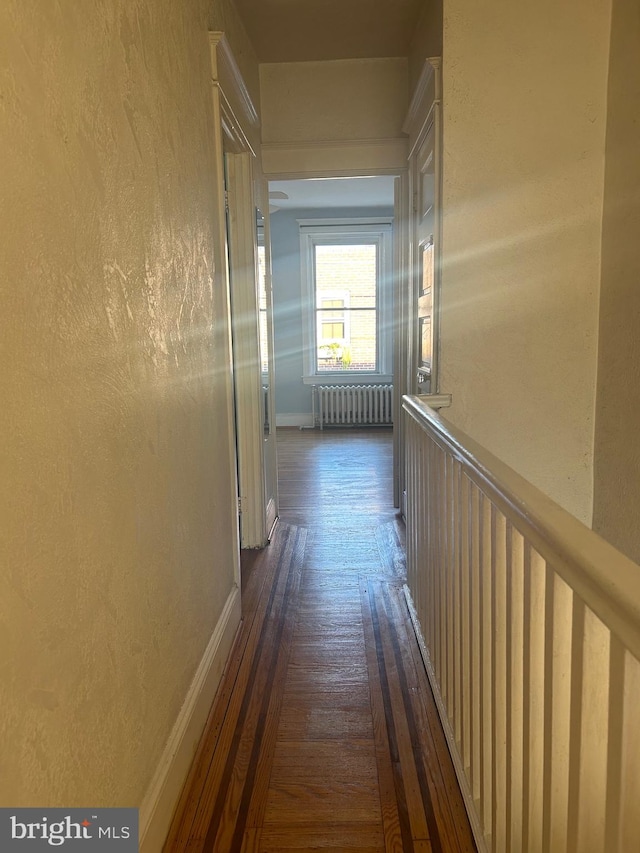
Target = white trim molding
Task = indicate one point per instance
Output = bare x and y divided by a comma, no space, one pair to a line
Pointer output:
222,296
225,70
238,115
423,94
161,799
318,232
294,419
335,157
237,139
425,97
249,393
360,220
346,378
436,401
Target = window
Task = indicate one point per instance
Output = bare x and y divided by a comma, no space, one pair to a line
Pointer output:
262,305
346,289
332,331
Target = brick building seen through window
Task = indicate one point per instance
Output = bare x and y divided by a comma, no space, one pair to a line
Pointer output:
345,287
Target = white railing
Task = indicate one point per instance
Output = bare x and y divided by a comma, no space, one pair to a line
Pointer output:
530,629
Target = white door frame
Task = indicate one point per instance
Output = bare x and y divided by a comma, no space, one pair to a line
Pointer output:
246,344
424,116
402,340
269,435
329,162
236,135
221,294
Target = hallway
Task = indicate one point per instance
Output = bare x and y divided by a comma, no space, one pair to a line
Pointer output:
324,734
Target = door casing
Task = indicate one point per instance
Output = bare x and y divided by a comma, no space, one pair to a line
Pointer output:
236,143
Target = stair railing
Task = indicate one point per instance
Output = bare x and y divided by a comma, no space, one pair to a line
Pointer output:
529,625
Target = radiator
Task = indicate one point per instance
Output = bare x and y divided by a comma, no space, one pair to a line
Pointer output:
354,404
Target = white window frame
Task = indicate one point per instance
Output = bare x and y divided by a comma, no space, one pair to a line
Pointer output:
315,232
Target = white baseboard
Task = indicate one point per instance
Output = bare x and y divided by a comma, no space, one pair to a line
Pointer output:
294,419
162,796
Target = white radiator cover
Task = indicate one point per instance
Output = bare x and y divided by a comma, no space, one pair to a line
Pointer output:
354,404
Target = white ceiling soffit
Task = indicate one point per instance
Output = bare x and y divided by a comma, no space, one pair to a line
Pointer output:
308,30
332,193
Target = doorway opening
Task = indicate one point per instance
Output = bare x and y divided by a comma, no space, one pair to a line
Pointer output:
334,281
331,245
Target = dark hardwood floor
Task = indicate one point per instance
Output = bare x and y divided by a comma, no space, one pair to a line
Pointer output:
324,734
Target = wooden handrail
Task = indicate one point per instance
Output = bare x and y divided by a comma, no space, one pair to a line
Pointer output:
529,625
606,580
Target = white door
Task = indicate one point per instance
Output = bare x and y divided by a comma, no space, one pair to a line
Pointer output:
252,354
425,243
265,307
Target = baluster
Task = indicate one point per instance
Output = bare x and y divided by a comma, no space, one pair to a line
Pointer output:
536,578
499,655
431,511
456,590
616,727
449,586
417,478
558,669
439,600
515,706
476,644
486,579
418,484
416,557
629,812
592,791
421,487
465,622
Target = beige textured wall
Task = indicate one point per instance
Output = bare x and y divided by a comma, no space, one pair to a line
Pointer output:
337,100
116,544
617,447
426,41
524,110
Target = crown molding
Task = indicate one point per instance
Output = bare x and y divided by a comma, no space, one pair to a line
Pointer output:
231,127
226,73
427,92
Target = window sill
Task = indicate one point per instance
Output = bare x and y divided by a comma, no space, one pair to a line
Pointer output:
344,378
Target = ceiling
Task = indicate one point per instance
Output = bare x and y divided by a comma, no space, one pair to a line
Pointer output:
319,30
332,193
306,30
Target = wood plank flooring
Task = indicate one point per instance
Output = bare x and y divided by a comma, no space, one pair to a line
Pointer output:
324,734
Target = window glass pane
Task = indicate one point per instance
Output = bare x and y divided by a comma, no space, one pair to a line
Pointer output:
427,268
346,321
350,268
262,304
332,330
362,340
331,309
